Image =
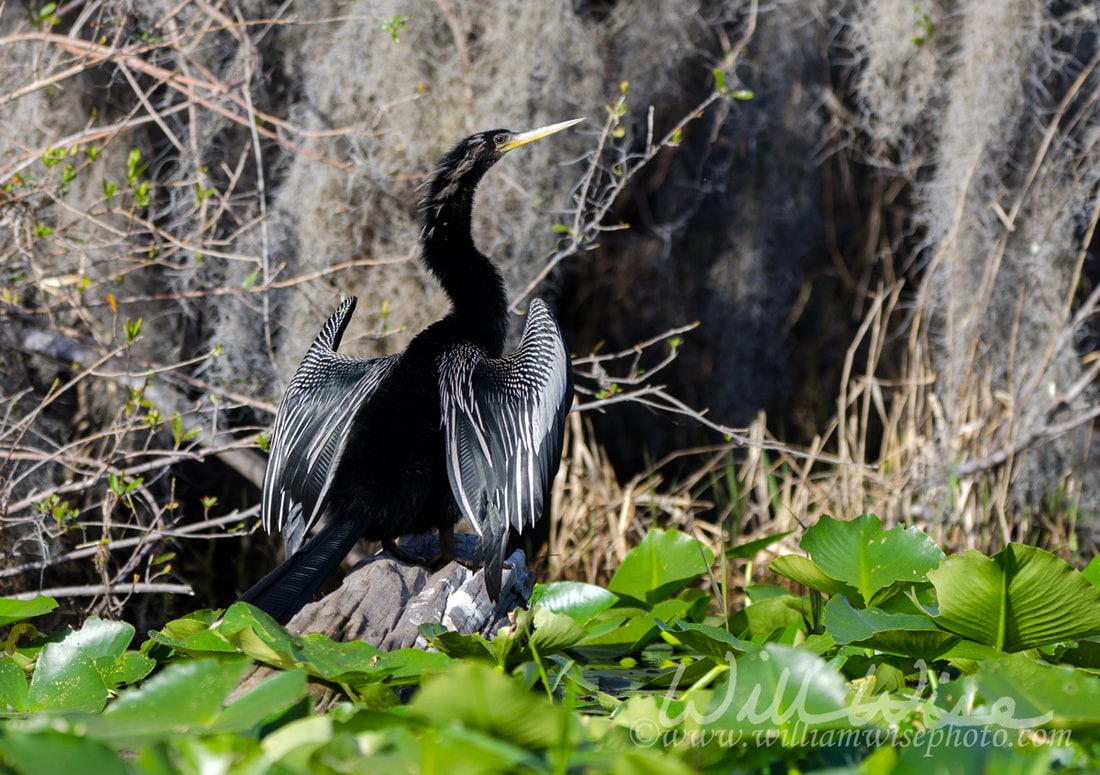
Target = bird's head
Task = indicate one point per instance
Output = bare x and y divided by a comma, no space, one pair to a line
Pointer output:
461,169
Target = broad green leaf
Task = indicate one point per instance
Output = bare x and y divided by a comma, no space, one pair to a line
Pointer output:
185,695
298,739
66,679
583,602
805,572
274,695
53,753
660,566
862,554
329,659
964,749
1092,571
779,688
12,610
13,686
912,635
552,632
105,642
1023,694
482,699
1019,598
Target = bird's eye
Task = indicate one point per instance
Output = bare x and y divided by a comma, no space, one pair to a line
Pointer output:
499,138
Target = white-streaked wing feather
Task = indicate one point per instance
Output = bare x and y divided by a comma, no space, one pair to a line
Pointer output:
503,421
312,427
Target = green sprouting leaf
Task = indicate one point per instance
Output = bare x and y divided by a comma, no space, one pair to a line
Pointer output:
109,190
583,602
12,610
914,635
133,170
862,554
1019,598
720,81
660,566
133,329
250,280
141,199
393,26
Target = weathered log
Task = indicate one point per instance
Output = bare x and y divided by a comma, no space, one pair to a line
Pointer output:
383,601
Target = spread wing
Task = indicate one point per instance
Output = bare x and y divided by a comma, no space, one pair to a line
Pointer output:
504,421
312,427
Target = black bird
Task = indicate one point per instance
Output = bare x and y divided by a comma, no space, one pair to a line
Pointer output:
448,427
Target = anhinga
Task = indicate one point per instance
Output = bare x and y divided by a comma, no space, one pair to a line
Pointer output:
448,427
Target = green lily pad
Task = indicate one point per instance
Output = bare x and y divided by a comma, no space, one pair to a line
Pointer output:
904,634
185,695
1019,598
583,602
660,566
1023,694
863,555
272,696
778,688
51,753
760,620
66,679
479,698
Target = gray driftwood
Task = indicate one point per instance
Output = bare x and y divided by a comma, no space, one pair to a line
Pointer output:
383,601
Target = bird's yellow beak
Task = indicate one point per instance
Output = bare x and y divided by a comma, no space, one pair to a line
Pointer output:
526,137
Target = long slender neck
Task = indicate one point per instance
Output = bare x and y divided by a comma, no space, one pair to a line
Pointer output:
479,300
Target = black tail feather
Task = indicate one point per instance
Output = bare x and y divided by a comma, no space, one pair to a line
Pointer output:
284,591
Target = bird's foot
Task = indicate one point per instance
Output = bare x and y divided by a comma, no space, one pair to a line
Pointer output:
445,555
409,558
